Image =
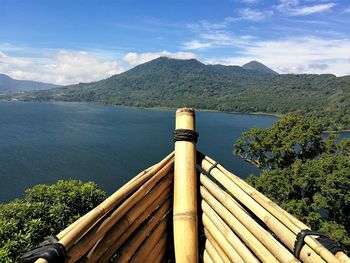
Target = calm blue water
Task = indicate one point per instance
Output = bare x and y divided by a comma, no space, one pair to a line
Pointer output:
43,142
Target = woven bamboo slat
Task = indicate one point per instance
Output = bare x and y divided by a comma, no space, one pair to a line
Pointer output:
185,193
97,232
212,252
147,214
284,233
230,252
216,246
230,236
161,189
244,225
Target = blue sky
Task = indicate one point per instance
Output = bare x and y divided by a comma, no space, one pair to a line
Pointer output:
84,40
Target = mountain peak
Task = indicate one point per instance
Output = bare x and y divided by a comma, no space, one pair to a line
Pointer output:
257,66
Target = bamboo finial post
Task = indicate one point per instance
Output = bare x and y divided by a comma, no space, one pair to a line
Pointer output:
185,191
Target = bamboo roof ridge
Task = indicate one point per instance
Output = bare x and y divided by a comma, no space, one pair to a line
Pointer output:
187,208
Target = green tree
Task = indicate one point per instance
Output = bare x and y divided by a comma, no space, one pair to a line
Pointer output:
289,139
304,173
44,211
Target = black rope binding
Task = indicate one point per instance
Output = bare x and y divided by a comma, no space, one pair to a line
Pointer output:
331,245
185,135
212,167
50,250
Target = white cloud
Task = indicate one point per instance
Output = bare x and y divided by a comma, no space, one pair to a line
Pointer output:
297,55
347,10
60,67
251,14
195,44
307,10
293,8
134,59
68,67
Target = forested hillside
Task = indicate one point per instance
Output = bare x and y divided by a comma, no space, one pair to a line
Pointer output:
166,82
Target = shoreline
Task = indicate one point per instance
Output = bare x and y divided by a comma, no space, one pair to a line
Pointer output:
279,115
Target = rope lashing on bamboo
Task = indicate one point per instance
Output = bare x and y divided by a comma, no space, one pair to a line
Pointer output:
49,250
185,135
322,238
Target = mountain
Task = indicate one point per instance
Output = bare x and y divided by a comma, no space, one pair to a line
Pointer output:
173,83
8,84
257,66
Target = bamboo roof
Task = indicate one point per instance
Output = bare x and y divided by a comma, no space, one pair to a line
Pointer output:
189,208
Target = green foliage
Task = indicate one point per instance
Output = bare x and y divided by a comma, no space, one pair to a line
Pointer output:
304,173
176,83
289,139
45,211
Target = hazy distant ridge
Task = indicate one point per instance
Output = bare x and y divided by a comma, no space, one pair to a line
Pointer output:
8,84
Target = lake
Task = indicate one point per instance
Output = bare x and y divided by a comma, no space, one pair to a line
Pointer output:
41,143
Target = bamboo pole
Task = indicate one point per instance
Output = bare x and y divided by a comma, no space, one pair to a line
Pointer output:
245,226
157,250
207,258
230,252
149,213
97,232
212,252
83,218
76,230
229,235
160,190
216,246
185,193
142,253
162,257
342,257
339,255
290,221
68,238
248,238
283,232
133,244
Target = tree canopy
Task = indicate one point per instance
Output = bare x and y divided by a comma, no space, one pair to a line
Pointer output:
45,210
304,172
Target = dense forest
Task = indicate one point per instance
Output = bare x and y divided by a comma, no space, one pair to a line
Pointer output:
172,83
304,172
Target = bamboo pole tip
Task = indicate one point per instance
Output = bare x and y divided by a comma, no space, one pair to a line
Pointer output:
185,111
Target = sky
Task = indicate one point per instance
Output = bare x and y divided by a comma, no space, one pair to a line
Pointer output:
71,41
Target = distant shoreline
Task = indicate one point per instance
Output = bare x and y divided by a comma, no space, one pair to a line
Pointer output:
279,115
